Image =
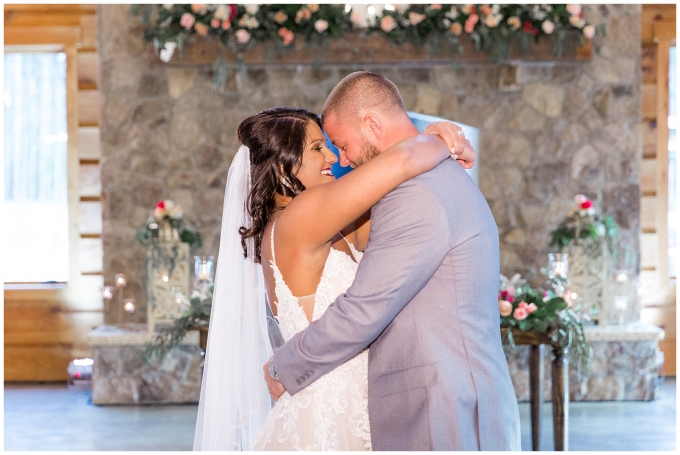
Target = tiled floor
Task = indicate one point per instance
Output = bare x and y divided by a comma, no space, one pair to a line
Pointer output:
53,418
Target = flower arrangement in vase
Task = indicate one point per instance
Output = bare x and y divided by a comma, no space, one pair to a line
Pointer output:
167,224
543,310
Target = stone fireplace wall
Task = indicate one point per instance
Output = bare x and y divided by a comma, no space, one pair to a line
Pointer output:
549,131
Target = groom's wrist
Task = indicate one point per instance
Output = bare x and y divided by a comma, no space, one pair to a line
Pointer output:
272,370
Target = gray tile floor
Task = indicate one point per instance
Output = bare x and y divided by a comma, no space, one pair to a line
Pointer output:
53,418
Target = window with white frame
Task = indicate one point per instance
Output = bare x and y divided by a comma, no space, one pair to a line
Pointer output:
35,216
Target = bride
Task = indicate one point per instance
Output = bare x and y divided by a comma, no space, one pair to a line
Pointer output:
308,230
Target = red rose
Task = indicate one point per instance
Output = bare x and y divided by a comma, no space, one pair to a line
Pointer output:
535,31
586,205
232,12
161,204
527,26
473,9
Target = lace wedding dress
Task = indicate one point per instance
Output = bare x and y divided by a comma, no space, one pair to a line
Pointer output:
331,413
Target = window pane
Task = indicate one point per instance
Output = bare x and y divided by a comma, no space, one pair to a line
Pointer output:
35,215
672,164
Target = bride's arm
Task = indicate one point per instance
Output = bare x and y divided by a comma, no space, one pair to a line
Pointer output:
313,217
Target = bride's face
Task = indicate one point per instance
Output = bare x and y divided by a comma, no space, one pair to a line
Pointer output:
316,159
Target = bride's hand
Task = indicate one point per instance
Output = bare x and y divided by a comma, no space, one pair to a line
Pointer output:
459,147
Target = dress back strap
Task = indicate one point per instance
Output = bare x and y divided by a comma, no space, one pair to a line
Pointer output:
353,250
272,243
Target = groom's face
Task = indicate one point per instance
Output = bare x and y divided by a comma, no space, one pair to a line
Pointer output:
354,147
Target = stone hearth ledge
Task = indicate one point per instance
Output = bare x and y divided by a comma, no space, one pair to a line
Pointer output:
131,334
122,374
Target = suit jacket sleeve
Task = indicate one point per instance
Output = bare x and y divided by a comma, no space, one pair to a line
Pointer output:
401,256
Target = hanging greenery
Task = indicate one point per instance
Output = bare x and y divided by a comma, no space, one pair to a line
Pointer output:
492,28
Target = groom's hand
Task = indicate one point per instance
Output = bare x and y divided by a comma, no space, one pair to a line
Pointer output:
453,135
276,389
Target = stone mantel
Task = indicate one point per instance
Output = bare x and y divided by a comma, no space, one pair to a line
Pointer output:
632,332
357,48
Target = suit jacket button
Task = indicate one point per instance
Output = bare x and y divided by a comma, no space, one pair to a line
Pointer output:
297,381
311,371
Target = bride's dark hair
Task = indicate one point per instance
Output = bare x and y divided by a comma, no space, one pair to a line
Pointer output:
276,139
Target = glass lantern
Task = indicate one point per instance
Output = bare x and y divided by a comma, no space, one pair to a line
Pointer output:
204,272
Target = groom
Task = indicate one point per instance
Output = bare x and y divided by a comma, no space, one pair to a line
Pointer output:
424,298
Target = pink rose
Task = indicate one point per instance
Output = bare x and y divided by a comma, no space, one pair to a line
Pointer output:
580,198
520,313
159,213
286,35
470,23
355,18
199,9
187,20
226,25
589,31
201,29
242,36
436,6
505,307
415,18
522,304
531,308
511,299
387,24
510,290
574,10
215,23
486,10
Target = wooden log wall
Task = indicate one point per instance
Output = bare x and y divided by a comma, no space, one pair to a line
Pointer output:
46,326
658,34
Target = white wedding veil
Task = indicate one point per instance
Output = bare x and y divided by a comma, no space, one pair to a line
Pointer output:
234,397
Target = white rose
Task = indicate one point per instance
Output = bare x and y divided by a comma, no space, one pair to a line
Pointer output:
169,204
548,27
493,20
252,9
401,7
321,25
176,212
221,13
446,22
453,13
590,211
600,230
168,6
252,22
576,21
589,31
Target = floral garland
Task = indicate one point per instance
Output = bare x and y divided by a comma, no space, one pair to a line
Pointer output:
240,27
545,311
584,223
490,27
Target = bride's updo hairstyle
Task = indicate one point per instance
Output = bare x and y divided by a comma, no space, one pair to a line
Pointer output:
276,139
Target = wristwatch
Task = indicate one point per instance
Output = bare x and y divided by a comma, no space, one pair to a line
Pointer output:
272,372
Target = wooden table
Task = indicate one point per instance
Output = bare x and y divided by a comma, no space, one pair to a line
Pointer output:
560,386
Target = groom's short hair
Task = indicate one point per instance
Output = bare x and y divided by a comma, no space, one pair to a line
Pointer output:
360,91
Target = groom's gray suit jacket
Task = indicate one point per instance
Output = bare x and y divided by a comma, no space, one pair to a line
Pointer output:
425,301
